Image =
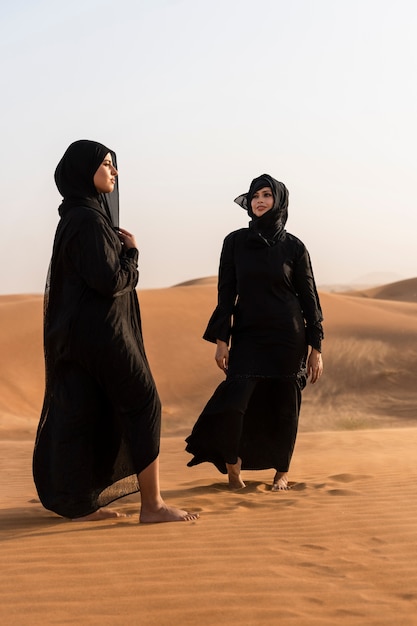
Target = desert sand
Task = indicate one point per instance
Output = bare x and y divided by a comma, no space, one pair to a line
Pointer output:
338,548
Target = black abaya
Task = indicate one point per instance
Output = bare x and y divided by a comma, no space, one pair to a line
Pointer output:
100,423
268,307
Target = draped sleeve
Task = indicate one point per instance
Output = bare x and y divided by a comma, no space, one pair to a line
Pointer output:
220,323
97,256
305,286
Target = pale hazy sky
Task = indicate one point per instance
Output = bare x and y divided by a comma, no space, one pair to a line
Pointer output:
197,97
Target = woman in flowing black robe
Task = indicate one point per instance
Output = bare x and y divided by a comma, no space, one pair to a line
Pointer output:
269,311
99,432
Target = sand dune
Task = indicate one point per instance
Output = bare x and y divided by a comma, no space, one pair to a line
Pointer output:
370,354
403,290
207,280
339,547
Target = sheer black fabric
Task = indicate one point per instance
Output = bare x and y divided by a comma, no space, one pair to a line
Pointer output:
100,422
269,310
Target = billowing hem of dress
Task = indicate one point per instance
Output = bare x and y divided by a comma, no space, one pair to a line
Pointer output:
72,508
105,500
207,441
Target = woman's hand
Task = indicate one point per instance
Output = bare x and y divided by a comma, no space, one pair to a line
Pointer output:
314,365
127,239
222,355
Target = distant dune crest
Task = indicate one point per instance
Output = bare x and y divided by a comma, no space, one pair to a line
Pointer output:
402,291
370,356
207,280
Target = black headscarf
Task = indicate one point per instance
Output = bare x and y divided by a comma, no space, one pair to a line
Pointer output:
270,225
74,177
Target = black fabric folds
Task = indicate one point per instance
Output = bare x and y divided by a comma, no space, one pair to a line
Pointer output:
100,422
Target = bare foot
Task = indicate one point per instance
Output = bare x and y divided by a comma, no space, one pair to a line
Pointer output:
233,472
166,514
280,482
99,515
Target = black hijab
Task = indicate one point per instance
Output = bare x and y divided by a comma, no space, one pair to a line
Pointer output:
74,176
270,226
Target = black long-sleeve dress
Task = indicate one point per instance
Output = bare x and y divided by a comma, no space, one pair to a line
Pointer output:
100,423
269,307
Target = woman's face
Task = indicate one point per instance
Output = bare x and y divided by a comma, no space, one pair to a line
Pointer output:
105,176
262,201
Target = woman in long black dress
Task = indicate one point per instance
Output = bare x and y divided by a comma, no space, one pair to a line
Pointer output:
98,436
269,311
